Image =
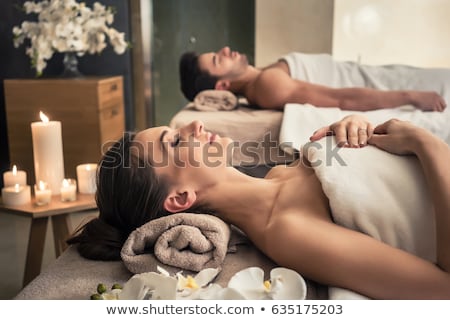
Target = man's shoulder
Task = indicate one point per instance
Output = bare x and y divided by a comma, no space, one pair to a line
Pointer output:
279,65
272,75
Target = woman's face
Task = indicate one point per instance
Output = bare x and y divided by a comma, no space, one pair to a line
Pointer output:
184,152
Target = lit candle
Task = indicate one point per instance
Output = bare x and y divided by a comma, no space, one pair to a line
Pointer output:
16,195
68,190
48,152
13,177
42,193
86,174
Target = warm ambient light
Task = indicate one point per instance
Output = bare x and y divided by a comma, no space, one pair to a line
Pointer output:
43,117
41,185
14,170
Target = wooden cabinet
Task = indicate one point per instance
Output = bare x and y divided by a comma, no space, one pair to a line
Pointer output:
91,111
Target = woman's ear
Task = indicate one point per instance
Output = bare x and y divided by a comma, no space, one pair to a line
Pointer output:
222,85
180,201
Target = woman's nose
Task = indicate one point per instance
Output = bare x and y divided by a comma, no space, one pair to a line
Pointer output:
198,127
195,128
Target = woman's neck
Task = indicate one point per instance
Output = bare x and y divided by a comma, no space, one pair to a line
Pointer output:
239,195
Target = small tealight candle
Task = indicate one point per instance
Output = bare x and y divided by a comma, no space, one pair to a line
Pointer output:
69,190
86,174
16,195
42,193
13,177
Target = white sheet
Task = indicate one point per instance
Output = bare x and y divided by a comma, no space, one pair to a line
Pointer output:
322,69
301,120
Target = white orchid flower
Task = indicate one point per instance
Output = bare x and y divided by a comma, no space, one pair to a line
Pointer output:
195,287
284,284
67,26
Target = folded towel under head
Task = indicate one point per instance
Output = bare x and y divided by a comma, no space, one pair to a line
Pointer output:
215,100
187,241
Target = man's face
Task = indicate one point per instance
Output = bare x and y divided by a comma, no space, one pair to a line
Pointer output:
224,64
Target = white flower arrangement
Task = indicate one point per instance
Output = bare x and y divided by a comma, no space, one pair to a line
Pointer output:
67,26
247,284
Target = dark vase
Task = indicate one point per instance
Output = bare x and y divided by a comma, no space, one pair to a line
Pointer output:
71,65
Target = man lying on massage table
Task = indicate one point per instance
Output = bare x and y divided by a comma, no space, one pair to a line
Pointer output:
315,79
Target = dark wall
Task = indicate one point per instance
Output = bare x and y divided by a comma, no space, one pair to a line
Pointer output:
194,25
14,63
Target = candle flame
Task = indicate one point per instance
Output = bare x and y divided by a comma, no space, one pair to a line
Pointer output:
41,185
14,170
43,117
65,183
88,167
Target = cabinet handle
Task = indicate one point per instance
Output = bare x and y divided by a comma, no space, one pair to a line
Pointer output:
114,87
111,112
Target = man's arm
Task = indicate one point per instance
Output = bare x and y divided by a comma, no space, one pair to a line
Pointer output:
274,88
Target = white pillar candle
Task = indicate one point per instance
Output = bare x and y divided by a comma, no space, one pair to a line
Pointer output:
16,195
48,152
13,177
68,190
86,176
42,193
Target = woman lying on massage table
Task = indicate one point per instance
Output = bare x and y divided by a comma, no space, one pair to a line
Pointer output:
161,171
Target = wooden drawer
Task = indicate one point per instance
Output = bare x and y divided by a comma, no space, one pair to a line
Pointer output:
111,123
110,90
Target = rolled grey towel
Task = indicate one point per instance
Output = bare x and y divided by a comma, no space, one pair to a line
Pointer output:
215,100
187,241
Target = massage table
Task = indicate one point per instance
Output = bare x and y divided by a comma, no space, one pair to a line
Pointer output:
72,277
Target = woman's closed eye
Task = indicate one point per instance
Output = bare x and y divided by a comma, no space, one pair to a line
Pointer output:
176,141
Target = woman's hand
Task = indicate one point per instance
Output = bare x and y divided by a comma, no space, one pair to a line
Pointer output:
352,131
399,137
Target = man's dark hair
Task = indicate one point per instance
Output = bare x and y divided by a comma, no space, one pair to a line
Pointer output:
192,79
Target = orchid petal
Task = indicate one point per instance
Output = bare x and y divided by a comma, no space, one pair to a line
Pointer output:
287,285
249,283
205,276
163,271
133,289
162,287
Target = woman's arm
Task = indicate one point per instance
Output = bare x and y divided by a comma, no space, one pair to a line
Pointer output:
401,137
336,256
